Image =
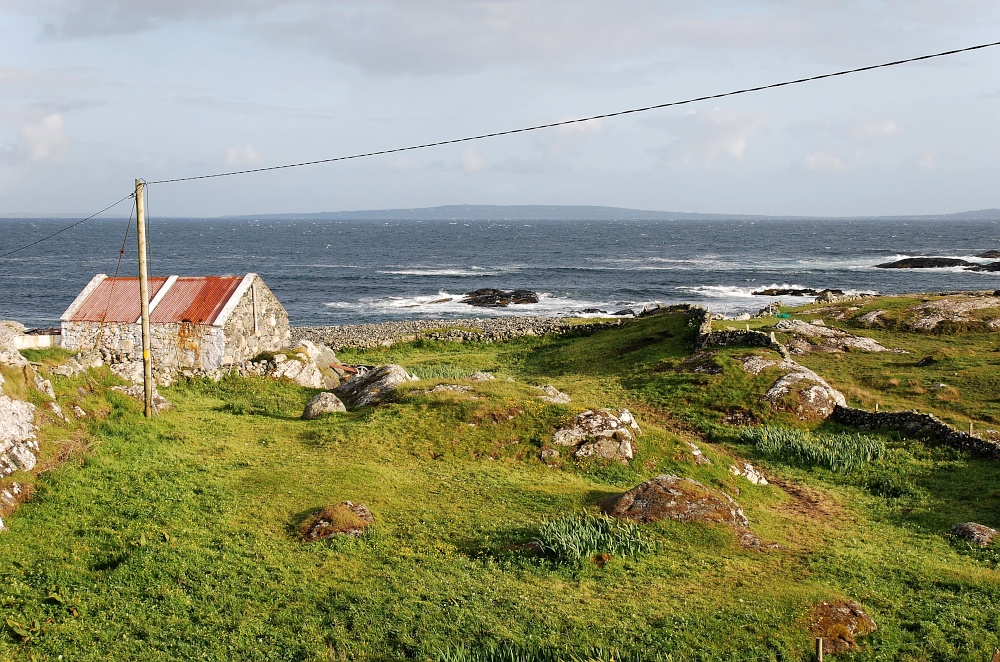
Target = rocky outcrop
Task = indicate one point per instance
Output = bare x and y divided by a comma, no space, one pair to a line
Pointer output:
339,519
803,393
839,623
930,315
322,403
977,534
78,363
8,351
18,436
925,263
487,330
812,336
374,386
747,470
18,432
552,395
603,433
490,298
671,497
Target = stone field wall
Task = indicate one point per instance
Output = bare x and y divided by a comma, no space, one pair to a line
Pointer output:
917,424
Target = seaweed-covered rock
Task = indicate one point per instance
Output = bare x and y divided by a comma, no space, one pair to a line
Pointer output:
339,519
373,387
925,263
492,298
671,497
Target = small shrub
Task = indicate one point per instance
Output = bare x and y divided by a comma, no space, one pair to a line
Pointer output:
842,452
572,538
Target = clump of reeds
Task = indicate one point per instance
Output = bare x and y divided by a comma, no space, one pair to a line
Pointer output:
840,452
571,538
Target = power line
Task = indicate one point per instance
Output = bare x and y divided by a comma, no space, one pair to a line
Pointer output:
618,113
68,227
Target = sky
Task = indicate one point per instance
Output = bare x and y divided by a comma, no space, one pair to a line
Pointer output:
96,93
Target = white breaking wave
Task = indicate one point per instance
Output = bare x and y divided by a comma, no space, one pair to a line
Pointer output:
447,305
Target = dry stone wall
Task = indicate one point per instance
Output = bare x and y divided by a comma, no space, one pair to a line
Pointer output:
918,424
496,329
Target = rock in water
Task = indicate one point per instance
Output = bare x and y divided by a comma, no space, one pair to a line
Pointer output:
670,497
977,534
374,386
343,519
323,403
925,263
490,298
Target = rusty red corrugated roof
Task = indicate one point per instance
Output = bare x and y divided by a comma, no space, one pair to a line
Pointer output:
197,299
115,300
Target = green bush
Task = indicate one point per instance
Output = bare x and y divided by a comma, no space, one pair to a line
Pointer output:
841,452
572,538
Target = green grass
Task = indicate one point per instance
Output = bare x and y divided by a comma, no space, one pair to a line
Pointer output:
176,538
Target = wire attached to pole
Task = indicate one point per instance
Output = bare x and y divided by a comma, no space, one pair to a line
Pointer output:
68,227
618,113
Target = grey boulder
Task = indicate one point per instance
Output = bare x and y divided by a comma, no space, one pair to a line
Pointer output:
374,386
323,403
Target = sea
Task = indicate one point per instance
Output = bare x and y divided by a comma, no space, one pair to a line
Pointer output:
335,272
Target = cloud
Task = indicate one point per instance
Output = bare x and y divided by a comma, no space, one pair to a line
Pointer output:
823,161
432,37
472,160
872,130
241,157
705,138
43,140
927,161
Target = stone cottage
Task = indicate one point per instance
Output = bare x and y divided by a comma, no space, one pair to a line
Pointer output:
197,323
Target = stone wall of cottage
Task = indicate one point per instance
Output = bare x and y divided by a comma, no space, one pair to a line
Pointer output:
272,330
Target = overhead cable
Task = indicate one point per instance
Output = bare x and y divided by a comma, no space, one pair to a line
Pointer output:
68,227
550,125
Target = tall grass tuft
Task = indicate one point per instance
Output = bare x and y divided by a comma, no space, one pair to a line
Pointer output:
840,452
571,538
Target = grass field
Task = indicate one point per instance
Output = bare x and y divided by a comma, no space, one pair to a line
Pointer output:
176,538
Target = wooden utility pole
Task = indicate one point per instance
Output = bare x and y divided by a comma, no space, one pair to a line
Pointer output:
147,360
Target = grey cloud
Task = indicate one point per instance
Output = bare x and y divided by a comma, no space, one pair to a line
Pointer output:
253,108
445,37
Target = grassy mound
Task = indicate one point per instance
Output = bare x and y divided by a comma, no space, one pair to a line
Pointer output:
177,538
